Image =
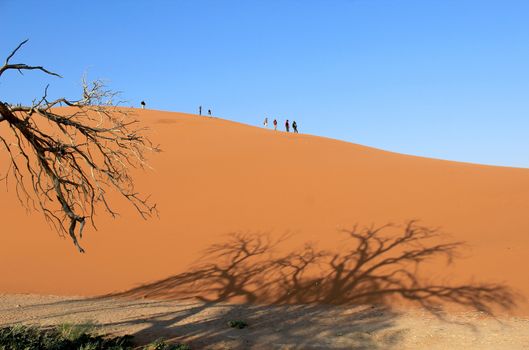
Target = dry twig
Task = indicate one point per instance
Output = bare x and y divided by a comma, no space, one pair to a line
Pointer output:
65,160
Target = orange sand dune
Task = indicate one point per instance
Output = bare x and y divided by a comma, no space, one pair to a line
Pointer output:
217,177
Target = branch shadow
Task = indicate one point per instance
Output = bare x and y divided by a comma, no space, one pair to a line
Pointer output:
315,291
205,326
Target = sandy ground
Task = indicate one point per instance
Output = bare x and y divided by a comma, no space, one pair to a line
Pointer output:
204,325
217,178
255,223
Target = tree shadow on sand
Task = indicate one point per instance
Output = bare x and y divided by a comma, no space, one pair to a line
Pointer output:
376,266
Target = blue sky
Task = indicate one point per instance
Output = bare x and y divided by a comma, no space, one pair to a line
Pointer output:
438,78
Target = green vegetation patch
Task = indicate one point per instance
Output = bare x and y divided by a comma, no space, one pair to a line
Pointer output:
161,345
70,337
239,324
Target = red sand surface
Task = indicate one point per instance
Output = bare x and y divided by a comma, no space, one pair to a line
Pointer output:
215,178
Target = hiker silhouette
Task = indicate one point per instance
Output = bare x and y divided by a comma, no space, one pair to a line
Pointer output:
287,126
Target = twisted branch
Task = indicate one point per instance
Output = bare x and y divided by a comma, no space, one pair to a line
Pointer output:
65,160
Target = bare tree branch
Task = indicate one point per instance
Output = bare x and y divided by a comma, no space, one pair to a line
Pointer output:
21,66
64,161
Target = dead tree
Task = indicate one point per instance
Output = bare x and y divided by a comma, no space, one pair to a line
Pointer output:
65,161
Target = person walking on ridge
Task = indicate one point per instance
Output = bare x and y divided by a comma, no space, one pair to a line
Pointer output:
295,126
287,126
209,112
275,124
265,123
142,103
199,110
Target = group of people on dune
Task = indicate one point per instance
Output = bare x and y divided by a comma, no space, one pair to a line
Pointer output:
200,111
265,122
287,125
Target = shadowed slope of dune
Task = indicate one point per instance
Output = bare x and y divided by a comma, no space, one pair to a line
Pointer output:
217,177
